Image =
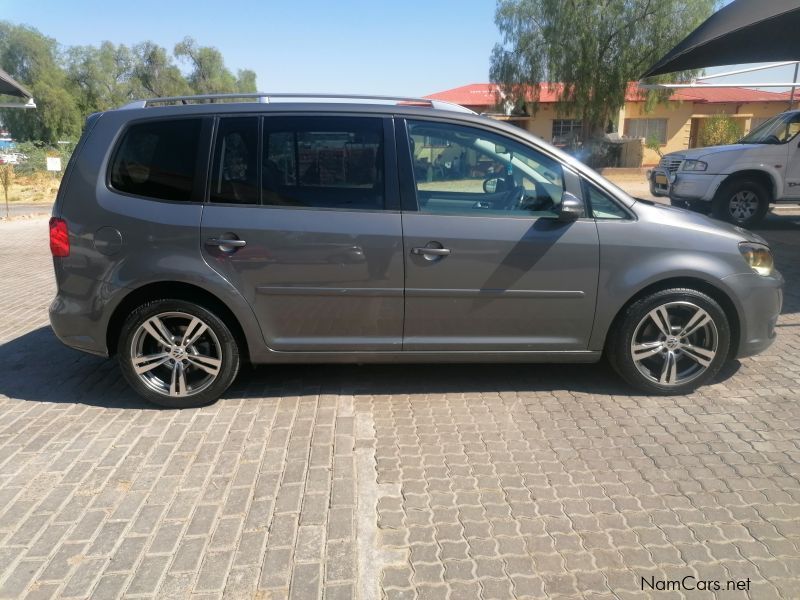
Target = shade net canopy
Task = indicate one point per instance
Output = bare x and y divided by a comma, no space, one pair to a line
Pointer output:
11,88
744,31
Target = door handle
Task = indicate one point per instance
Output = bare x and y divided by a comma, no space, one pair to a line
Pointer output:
431,251
226,245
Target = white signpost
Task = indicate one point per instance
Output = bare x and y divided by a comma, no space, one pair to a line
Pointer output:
53,163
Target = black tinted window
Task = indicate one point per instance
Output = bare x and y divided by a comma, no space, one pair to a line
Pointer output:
235,166
323,162
157,159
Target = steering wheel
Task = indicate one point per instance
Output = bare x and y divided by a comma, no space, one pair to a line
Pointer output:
772,139
514,198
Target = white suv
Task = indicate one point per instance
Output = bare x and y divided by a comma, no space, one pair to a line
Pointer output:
736,183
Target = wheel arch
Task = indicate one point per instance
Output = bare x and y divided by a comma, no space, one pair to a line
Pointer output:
179,291
761,176
694,283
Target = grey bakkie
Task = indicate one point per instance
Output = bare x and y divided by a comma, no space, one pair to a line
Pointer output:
193,234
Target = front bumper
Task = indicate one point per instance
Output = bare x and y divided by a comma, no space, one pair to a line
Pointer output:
760,300
684,185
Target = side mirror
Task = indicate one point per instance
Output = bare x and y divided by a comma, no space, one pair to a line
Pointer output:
490,185
571,208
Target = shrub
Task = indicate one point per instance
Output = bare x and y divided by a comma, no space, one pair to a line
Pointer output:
719,130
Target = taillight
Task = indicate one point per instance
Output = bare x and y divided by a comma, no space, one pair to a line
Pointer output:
59,237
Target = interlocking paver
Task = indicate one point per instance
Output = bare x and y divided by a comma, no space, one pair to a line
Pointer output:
494,481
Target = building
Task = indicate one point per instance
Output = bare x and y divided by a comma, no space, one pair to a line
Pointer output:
676,124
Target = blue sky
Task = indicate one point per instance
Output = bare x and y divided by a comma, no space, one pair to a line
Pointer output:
413,47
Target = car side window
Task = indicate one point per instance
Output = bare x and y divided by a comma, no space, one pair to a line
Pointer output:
469,171
157,159
234,176
603,207
323,162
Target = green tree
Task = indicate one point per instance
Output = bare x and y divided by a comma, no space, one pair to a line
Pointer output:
6,179
719,130
155,74
208,75
593,47
101,76
33,60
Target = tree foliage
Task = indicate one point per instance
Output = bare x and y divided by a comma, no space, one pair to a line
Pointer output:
593,47
719,130
70,83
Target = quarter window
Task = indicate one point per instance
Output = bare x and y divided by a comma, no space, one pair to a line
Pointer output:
235,167
157,159
323,162
477,173
603,207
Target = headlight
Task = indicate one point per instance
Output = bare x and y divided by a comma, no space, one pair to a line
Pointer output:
758,256
694,165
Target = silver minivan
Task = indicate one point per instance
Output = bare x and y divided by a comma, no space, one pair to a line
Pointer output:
192,234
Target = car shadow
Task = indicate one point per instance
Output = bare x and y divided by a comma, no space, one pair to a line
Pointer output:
39,368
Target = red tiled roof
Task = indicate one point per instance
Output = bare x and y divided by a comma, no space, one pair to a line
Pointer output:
486,94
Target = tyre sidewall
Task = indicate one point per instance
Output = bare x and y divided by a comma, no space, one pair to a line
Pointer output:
619,347
230,353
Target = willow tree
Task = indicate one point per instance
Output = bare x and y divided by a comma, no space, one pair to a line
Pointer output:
592,47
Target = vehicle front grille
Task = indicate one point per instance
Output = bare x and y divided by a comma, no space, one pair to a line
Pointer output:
671,163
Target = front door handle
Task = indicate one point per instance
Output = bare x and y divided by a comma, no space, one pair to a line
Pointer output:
431,251
226,245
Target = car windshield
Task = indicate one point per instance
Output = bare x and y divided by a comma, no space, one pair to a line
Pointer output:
777,130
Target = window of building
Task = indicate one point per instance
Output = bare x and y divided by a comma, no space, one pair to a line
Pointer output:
647,129
157,159
323,162
235,168
566,130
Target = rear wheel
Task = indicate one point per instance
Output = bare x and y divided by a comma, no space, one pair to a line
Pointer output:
743,202
670,342
177,354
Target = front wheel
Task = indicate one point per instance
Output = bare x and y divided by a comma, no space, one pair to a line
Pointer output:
743,202
670,342
177,354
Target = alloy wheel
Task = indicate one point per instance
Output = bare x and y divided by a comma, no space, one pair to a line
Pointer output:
176,354
743,205
674,343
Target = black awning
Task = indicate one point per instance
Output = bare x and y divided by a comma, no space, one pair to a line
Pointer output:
744,31
12,88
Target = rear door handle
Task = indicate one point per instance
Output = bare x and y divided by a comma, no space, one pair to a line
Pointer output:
431,251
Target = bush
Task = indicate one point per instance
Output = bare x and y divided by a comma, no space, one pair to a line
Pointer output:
719,130
36,154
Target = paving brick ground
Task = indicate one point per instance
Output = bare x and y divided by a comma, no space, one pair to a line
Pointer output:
390,481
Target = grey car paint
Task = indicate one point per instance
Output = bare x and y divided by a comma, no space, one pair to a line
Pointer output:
160,242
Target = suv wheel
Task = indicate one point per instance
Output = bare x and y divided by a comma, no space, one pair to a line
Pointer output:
177,354
671,342
743,202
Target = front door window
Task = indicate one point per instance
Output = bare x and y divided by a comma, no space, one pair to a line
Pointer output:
472,172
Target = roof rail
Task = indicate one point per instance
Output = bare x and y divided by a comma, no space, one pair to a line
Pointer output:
268,98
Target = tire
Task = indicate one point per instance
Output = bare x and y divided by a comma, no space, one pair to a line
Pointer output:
674,364
678,203
743,202
209,358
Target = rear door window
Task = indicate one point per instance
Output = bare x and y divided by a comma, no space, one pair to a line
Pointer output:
158,159
323,162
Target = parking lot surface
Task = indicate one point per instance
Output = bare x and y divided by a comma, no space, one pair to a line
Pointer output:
517,481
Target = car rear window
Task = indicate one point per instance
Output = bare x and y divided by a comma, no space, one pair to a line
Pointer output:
157,159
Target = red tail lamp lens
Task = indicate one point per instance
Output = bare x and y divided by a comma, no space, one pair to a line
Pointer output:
59,237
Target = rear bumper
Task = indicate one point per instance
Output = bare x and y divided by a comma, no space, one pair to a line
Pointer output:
760,300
